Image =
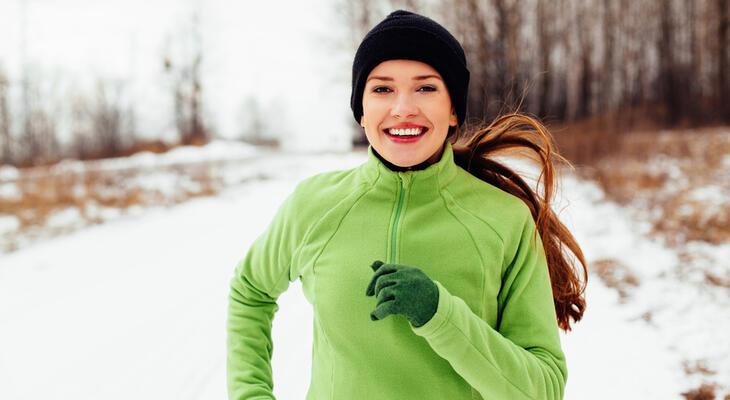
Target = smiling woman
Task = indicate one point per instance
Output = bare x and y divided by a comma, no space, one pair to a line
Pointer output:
434,271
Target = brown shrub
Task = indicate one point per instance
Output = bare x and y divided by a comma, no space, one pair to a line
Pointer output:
616,275
704,392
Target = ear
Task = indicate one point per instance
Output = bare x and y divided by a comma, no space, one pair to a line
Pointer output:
361,123
453,121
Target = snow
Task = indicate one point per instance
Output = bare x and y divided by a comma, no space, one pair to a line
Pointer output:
8,222
9,191
136,307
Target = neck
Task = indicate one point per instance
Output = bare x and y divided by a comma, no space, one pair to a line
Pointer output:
423,165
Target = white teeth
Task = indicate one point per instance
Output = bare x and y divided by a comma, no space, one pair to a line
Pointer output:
405,132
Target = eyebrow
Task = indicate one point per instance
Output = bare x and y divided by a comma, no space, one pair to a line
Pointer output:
415,78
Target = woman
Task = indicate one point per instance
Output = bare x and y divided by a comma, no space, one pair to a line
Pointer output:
434,271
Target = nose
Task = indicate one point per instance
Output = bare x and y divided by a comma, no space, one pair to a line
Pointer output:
404,106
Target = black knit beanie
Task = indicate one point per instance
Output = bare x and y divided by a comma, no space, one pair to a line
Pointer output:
407,35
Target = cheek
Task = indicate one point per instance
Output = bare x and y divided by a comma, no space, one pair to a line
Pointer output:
436,106
374,111
438,113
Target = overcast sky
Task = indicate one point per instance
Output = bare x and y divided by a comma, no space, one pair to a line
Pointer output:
280,52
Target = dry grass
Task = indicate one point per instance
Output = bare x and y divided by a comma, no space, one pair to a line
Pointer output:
44,193
663,172
717,280
706,391
698,367
140,145
616,275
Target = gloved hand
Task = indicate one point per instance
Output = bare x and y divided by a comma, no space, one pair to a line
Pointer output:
401,289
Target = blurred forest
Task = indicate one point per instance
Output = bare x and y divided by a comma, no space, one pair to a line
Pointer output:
590,68
102,123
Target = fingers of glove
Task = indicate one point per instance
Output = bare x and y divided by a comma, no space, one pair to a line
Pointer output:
376,264
386,294
384,269
385,281
383,310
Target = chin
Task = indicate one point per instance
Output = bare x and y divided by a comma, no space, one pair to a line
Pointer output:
403,158
408,163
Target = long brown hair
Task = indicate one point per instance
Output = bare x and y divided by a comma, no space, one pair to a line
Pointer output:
522,135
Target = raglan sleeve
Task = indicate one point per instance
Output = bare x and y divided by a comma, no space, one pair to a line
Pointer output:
520,359
258,279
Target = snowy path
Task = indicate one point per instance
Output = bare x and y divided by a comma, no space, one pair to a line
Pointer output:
136,308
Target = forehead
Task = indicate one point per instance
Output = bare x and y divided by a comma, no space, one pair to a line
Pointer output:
403,69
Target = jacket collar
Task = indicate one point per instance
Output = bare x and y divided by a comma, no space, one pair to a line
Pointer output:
433,177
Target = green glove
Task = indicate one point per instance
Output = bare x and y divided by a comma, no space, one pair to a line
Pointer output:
401,289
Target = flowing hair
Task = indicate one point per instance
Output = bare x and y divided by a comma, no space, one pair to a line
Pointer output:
519,134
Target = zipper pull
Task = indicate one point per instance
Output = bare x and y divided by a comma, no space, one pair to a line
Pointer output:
405,178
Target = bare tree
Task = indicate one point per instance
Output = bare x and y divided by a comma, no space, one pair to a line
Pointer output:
38,143
667,83
186,81
84,145
607,70
478,47
102,124
254,126
723,42
506,50
546,27
108,118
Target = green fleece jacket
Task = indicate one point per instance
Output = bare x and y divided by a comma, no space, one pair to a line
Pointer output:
494,335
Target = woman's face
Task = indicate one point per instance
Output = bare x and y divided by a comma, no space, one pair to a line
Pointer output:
412,94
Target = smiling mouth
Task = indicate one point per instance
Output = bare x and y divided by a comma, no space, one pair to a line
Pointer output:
406,133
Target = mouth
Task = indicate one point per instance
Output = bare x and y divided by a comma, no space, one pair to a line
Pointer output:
408,133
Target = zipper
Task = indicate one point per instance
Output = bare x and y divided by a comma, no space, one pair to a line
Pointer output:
396,220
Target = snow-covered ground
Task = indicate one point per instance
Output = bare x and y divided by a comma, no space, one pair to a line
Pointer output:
136,307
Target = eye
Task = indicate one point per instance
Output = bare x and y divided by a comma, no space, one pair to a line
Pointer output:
387,89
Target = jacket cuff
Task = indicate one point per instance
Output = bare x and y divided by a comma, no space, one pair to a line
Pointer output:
442,315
